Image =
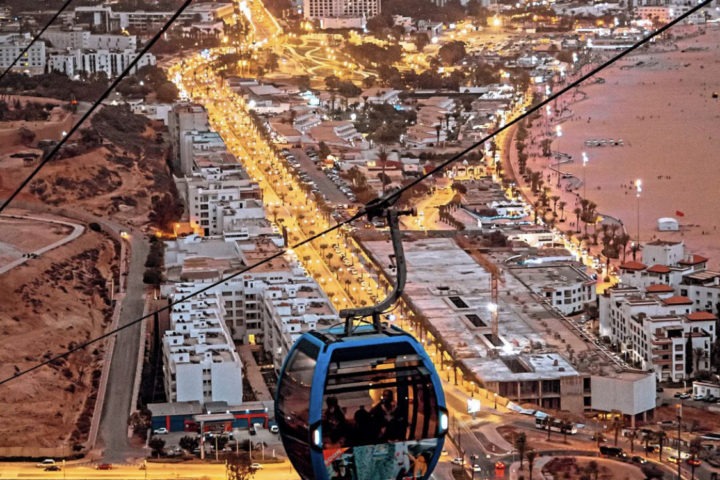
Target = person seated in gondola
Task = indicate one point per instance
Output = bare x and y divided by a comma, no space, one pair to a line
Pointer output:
334,423
388,422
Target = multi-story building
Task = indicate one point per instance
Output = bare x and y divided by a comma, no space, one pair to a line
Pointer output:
341,13
218,200
185,117
290,310
662,314
200,360
111,62
565,287
103,16
84,39
11,46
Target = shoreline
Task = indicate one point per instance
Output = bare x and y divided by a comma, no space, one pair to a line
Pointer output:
662,124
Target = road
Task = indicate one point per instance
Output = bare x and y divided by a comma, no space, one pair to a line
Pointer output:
124,364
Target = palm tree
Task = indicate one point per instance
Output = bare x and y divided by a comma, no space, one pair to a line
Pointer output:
632,435
617,424
531,459
549,421
555,199
438,127
521,447
577,212
561,205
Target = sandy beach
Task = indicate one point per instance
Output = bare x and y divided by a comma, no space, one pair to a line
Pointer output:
662,106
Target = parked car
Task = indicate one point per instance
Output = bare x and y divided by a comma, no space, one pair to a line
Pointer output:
256,466
695,462
639,460
160,431
52,468
104,466
698,397
608,451
46,463
274,429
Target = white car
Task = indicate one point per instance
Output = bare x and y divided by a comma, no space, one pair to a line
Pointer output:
48,462
256,466
274,429
476,468
160,431
457,461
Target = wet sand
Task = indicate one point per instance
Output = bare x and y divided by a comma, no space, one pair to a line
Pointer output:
661,105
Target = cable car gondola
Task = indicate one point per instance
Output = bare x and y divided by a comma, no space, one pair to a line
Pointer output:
362,401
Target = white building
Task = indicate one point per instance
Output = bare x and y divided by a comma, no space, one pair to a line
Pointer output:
112,62
185,117
104,17
341,13
84,39
200,360
630,393
218,200
12,45
566,287
289,311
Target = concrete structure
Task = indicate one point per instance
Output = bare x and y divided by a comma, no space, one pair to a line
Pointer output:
112,62
223,201
11,45
84,39
186,416
199,359
630,393
185,117
566,287
341,13
103,16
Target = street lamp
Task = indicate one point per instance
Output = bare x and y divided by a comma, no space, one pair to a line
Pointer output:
638,191
679,420
585,162
558,132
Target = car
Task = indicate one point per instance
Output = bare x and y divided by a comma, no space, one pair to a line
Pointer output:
695,462
639,460
476,468
104,466
274,429
698,397
684,396
160,431
458,461
46,463
673,459
499,466
444,453
256,466
52,468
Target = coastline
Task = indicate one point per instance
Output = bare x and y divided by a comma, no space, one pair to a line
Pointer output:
660,105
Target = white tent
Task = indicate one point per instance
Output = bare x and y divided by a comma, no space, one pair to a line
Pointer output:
668,224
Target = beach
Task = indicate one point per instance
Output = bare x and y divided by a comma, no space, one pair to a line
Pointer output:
661,111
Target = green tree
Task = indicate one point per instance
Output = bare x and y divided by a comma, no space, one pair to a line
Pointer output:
157,445
593,469
188,443
167,93
452,52
694,449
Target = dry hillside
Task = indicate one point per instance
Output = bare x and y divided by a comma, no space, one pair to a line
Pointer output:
60,299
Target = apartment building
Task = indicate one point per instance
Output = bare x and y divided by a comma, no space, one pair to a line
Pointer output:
564,286
185,117
104,17
664,310
219,200
11,46
111,62
200,362
341,13
290,310
84,39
